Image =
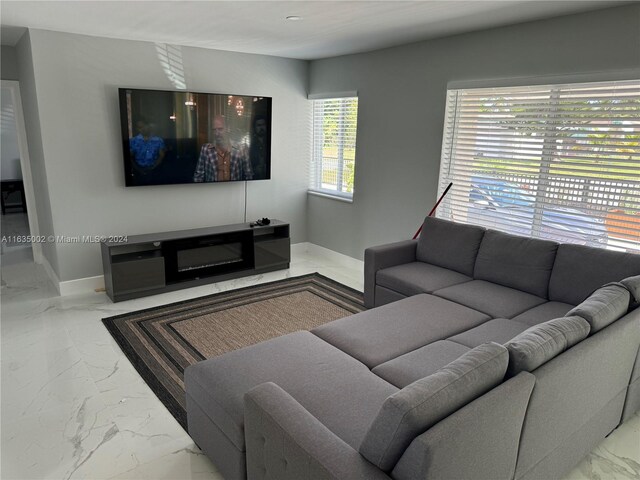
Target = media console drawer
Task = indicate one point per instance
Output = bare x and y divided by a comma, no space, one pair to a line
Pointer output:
272,252
137,275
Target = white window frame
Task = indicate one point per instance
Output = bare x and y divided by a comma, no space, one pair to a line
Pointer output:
316,168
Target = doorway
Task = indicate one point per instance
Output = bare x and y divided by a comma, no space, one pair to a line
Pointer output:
18,217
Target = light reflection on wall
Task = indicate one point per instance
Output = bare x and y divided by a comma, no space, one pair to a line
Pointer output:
170,57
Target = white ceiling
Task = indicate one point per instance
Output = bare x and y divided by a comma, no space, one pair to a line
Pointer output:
328,28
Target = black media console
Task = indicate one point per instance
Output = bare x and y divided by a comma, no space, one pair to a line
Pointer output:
162,262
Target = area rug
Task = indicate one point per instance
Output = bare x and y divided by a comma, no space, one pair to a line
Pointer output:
162,341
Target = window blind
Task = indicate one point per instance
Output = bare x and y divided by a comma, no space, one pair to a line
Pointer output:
334,146
556,161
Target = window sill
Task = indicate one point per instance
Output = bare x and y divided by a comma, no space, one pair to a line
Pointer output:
340,198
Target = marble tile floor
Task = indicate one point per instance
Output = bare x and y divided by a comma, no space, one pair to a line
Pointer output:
74,407
12,225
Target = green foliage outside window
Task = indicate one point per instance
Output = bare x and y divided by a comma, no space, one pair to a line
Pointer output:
339,142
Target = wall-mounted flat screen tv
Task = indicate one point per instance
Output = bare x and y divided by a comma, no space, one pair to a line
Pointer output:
171,137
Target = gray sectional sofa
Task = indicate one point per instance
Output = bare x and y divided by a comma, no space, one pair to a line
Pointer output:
483,355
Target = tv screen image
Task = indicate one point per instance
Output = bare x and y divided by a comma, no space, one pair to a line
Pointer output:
172,137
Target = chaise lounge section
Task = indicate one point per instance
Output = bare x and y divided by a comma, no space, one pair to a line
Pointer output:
524,353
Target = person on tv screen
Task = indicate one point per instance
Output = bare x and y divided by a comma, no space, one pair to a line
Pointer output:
220,161
259,147
147,150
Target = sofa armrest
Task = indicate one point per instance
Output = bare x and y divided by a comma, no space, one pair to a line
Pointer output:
286,442
478,442
384,256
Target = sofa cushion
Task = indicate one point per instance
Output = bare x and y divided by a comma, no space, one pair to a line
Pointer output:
420,405
499,330
420,363
580,270
633,285
335,388
604,306
418,277
385,295
539,344
543,313
450,245
494,300
380,334
518,262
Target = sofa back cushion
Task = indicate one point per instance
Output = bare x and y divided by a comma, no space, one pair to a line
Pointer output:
633,285
604,306
580,270
539,344
449,245
423,403
517,262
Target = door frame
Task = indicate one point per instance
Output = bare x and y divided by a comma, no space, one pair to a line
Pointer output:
25,165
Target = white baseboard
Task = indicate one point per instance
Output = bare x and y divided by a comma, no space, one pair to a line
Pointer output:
306,247
81,285
50,272
72,287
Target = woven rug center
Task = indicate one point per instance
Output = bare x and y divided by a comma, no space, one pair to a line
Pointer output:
236,327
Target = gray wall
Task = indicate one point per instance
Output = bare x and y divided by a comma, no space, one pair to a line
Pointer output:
402,93
8,63
76,79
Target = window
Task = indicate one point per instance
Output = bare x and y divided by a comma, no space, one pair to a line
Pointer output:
333,161
560,162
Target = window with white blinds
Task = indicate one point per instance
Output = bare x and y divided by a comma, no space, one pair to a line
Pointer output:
335,122
560,162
